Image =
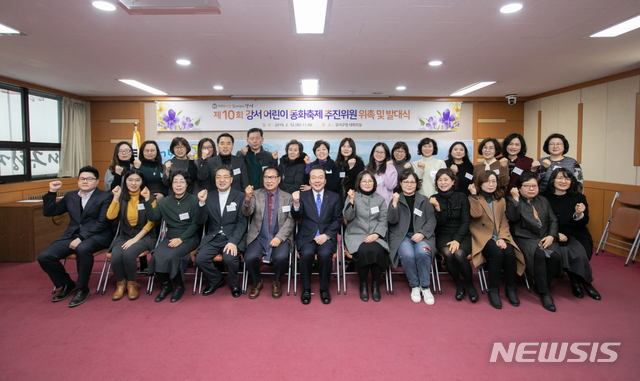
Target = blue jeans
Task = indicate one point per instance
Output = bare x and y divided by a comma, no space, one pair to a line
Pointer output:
416,261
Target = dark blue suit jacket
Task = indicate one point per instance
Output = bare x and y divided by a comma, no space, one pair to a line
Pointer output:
328,222
232,223
91,222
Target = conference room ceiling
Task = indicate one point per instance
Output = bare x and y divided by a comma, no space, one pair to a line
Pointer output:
370,48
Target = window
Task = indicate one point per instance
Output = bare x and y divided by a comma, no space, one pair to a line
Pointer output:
30,126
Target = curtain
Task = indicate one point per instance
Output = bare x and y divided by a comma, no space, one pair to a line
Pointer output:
73,152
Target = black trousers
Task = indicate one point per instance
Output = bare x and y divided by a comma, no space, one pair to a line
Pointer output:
253,260
204,261
50,257
325,263
544,269
500,259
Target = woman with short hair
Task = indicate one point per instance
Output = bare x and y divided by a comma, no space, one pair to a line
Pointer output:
427,166
556,146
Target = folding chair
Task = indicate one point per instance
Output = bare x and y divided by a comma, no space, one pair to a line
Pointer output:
345,258
218,259
335,262
73,256
435,279
625,223
484,286
245,273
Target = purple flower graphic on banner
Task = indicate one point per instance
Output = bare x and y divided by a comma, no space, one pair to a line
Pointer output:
170,119
447,120
188,124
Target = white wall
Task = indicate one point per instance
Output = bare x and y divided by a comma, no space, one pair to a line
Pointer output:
607,130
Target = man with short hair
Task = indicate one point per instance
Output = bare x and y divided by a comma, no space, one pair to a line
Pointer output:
88,232
226,228
320,212
234,163
270,231
256,158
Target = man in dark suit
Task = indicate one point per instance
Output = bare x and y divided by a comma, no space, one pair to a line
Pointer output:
320,211
234,163
226,227
256,158
270,232
88,231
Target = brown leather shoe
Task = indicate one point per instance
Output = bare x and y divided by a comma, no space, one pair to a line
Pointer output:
255,291
132,290
119,291
277,290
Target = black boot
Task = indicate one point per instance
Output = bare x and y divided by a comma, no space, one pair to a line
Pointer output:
460,291
591,291
167,287
547,302
473,294
494,298
364,292
375,291
179,289
510,291
576,289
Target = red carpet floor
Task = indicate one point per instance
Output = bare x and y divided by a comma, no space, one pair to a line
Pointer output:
219,337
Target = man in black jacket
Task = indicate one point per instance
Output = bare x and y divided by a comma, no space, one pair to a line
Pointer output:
256,158
88,232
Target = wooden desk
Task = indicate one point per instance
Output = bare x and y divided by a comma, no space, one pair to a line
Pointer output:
25,232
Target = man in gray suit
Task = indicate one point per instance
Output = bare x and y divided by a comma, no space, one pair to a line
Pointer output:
226,228
270,230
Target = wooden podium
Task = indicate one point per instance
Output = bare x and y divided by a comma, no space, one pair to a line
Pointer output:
25,232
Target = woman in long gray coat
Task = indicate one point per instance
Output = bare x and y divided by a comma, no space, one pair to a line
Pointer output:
535,230
412,223
366,215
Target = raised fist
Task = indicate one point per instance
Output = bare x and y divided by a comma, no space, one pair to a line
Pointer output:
535,165
191,155
580,208
351,162
472,189
454,168
504,162
296,197
420,165
116,192
394,198
546,163
205,154
435,203
168,165
351,195
137,163
515,193
248,191
118,169
307,160
54,186
145,194
202,196
244,150
275,155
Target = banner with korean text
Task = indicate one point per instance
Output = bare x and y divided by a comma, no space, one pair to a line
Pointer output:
308,115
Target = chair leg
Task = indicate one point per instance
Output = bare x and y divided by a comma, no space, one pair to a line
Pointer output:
526,282
106,278
295,275
289,275
390,276
195,280
104,265
150,284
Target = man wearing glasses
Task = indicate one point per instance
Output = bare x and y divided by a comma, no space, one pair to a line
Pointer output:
88,232
226,228
270,232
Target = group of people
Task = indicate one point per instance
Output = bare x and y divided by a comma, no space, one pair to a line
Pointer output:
506,214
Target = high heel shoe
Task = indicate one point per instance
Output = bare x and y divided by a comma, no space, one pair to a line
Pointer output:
473,294
576,289
591,291
460,292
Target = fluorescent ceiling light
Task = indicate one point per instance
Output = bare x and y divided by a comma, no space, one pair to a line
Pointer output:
622,28
183,62
104,6
218,87
511,8
401,88
309,86
435,63
310,16
6,30
471,88
142,86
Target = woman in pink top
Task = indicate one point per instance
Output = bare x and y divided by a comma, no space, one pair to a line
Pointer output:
382,167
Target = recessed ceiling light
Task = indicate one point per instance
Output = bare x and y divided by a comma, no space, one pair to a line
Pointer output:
104,6
435,63
309,86
183,62
6,30
471,88
511,8
401,88
310,16
218,87
622,28
142,86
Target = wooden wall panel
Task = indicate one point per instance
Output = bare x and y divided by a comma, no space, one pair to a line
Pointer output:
513,116
493,110
19,191
104,111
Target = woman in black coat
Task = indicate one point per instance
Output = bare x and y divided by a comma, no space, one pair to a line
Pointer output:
571,208
292,167
453,238
321,149
350,166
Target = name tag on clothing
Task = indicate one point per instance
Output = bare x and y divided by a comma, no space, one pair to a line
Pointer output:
554,167
342,175
417,212
231,207
379,180
140,206
329,172
236,171
263,167
517,171
496,171
183,216
375,210
433,173
286,209
468,176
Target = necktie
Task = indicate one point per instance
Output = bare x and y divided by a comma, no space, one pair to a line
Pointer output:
319,207
270,208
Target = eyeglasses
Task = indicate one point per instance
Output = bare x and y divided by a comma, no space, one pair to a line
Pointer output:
223,177
530,186
179,147
488,148
556,144
152,150
408,182
207,147
366,182
124,151
270,178
379,152
179,181
86,179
